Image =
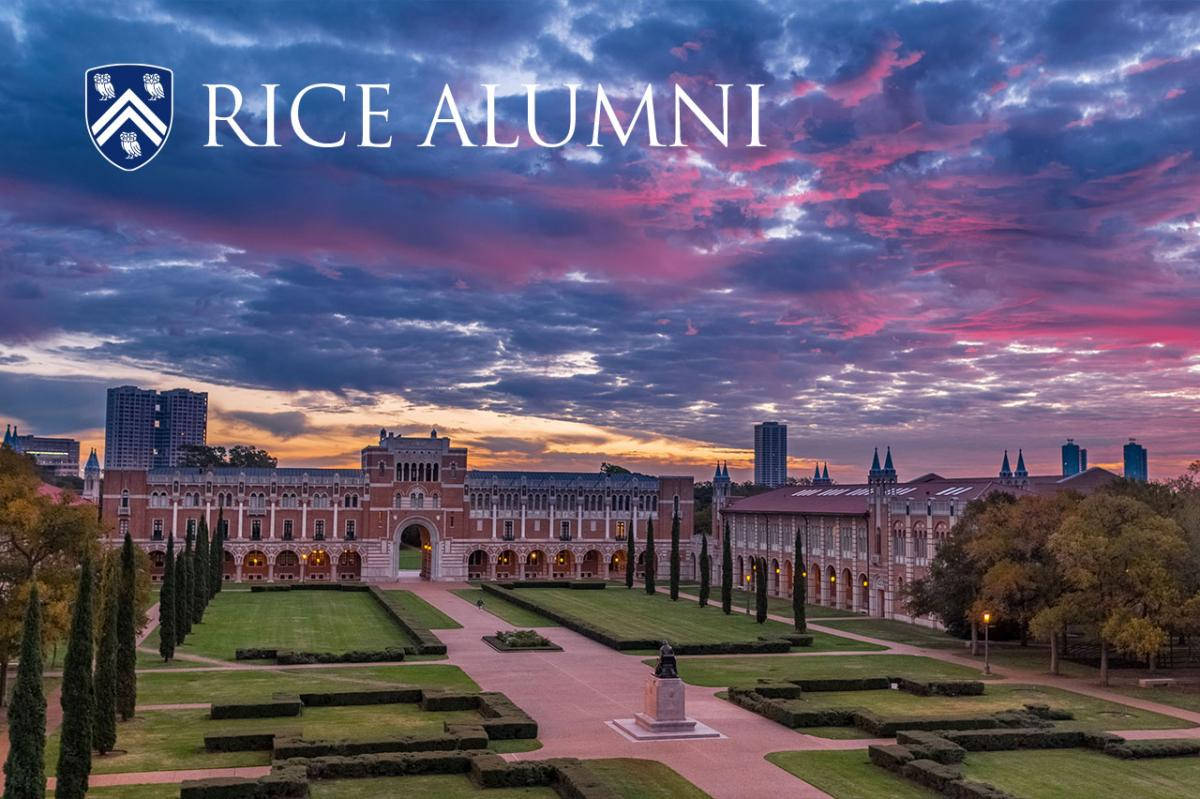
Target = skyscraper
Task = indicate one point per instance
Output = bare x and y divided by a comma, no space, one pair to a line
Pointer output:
770,454
1074,458
1136,462
145,429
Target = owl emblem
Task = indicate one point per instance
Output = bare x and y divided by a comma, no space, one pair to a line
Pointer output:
103,83
153,84
129,143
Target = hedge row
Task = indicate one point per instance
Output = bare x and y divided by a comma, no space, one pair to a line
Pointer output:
240,742
289,657
945,778
314,585
284,782
1136,750
917,687
931,746
578,585
426,642
278,706
760,647
401,694
502,719
463,739
939,687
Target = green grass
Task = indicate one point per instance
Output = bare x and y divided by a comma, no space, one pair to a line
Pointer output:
518,617
443,786
422,612
1069,773
164,790
1090,713
174,739
408,557
1184,699
897,631
848,775
310,621
726,671
233,686
627,613
643,779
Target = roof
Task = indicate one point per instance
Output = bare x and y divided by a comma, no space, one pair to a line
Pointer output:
592,480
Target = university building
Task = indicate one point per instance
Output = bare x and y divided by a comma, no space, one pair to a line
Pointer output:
864,543
329,524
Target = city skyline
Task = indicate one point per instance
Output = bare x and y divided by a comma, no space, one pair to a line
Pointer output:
968,221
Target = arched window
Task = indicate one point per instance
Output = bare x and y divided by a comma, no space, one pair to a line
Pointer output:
435,473
125,499
437,500
319,529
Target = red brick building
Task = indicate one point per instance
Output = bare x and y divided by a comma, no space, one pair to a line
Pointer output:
328,524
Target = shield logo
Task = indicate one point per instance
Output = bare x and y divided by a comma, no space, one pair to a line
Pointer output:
128,109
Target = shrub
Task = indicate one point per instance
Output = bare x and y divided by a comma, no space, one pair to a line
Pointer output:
996,740
846,684
931,746
427,642
286,782
286,657
777,690
940,688
389,764
401,694
1100,740
930,774
449,700
282,705
518,639
890,756
1048,713
244,742
1136,750
286,748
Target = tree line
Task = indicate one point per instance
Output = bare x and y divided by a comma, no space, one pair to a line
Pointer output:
1120,567
191,579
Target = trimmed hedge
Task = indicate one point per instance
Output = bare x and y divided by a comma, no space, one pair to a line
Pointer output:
777,690
389,764
307,585
449,700
279,706
1137,750
931,774
287,748
890,756
426,642
401,694
288,657
286,782
940,688
846,684
1000,740
242,742
931,746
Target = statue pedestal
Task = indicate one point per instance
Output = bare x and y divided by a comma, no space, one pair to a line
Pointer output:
663,717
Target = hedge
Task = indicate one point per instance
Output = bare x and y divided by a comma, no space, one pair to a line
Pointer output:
286,782
279,706
846,684
776,690
931,774
286,748
427,642
308,585
998,740
449,700
890,756
390,764
401,694
942,777
289,657
240,742
940,688
931,746
1136,750
759,647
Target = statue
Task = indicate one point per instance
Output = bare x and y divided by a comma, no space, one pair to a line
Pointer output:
665,668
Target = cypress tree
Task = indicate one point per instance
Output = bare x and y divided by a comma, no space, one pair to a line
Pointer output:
200,573
216,558
705,567
182,617
630,553
674,577
760,592
726,573
187,587
104,720
126,634
78,701
25,769
167,634
651,570
799,586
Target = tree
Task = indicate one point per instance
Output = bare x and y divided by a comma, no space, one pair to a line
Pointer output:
705,569
760,591
216,557
674,576
78,699
612,468
187,587
206,457
127,633
630,553
726,573
1124,565
799,586
104,681
25,769
651,570
200,573
167,634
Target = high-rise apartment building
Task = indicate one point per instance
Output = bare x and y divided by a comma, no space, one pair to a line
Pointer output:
1136,461
1074,458
147,429
60,455
770,454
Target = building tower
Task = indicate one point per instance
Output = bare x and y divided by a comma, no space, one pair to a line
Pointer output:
770,454
1021,475
881,482
1005,470
146,429
1074,458
91,478
1136,461
720,498
821,478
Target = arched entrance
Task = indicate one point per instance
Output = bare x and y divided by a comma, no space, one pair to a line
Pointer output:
254,566
158,565
775,571
590,565
418,534
864,593
831,587
815,594
506,565
287,565
788,577
349,565
847,589
616,566
535,565
229,567
564,565
317,565
477,565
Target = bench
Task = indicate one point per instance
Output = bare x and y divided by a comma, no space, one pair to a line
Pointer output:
1156,682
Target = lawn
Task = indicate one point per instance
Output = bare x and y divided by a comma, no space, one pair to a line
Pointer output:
897,631
422,612
848,775
174,739
627,613
442,786
629,778
723,672
1069,773
162,790
518,617
1183,698
235,686
1090,714
409,558
311,621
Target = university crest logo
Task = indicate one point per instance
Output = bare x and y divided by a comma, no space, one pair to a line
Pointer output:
128,108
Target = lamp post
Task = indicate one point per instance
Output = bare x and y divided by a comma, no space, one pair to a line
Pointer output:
987,621
746,591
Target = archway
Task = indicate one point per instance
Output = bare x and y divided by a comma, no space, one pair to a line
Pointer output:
535,565
563,566
775,571
158,565
349,565
831,587
616,566
815,594
590,565
317,565
477,565
740,579
847,589
254,566
506,565
287,565
864,593
229,567
788,577
418,534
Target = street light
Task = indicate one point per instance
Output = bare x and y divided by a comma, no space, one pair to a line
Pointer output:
746,591
987,621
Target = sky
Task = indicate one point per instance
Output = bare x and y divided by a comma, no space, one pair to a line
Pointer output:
973,227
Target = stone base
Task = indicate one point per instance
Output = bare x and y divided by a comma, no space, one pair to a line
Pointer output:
687,729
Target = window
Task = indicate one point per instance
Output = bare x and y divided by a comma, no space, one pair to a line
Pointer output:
124,499
508,530
437,501
223,529
320,501
349,529
288,501
255,529
620,531
158,529
124,527
417,500
191,526
319,529
287,529
565,535
398,501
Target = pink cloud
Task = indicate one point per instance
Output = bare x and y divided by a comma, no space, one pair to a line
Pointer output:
852,91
